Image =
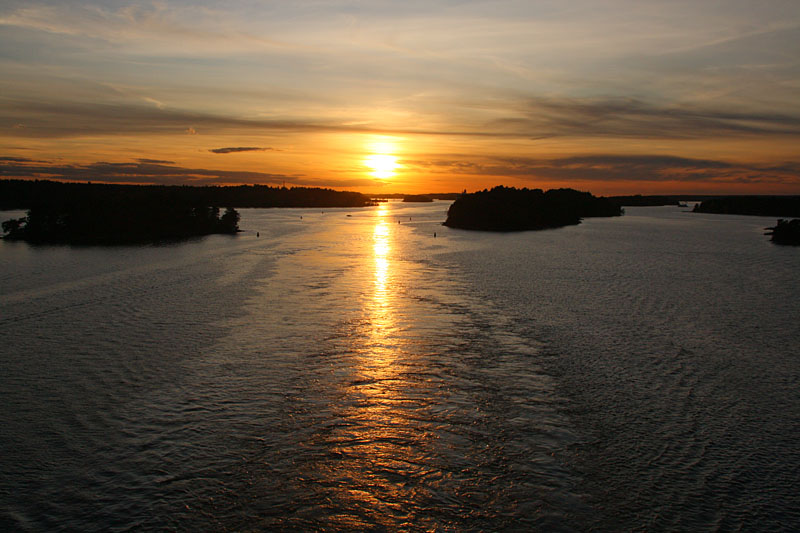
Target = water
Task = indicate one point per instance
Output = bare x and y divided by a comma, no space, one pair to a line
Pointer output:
347,371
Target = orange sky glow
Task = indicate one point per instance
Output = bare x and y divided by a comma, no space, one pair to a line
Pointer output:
620,98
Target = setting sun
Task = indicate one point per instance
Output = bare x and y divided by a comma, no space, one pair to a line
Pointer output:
382,165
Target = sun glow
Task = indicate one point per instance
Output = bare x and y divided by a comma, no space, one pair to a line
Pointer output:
381,159
382,165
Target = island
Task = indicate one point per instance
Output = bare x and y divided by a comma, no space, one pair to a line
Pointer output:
768,206
786,232
511,209
417,198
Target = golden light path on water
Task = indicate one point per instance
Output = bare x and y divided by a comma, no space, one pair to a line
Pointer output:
381,248
383,447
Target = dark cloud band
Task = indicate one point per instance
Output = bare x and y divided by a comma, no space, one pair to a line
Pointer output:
235,149
602,167
533,118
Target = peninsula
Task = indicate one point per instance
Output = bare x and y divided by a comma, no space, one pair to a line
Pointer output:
512,209
108,214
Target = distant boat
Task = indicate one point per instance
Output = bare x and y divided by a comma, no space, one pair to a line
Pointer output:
683,204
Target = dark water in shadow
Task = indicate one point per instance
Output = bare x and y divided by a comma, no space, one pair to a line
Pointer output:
674,336
357,373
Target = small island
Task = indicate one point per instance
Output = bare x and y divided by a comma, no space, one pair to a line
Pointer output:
512,209
786,232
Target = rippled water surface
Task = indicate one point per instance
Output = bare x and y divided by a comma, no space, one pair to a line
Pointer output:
349,370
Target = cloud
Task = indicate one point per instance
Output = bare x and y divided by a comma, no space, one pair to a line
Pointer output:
74,119
596,167
157,28
232,149
531,118
142,171
601,167
19,160
159,172
630,117
155,161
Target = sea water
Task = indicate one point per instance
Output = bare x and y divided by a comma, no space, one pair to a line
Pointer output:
370,369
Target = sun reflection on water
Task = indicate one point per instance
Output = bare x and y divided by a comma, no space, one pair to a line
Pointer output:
380,249
381,442
380,308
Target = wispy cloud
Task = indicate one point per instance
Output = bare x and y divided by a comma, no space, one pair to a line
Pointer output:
18,160
234,149
533,118
142,28
155,161
154,171
630,117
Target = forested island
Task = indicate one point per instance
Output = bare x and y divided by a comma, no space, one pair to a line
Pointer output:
768,206
417,198
786,232
85,213
112,222
512,209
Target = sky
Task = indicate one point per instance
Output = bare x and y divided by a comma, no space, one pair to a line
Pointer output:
609,96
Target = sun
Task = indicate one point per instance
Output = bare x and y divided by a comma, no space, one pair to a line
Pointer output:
382,165
381,158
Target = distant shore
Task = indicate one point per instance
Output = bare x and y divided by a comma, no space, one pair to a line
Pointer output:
25,194
765,206
417,198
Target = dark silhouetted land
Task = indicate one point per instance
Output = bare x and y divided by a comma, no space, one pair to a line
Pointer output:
417,198
84,213
511,209
768,206
402,196
110,223
652,200
24,194
786,232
